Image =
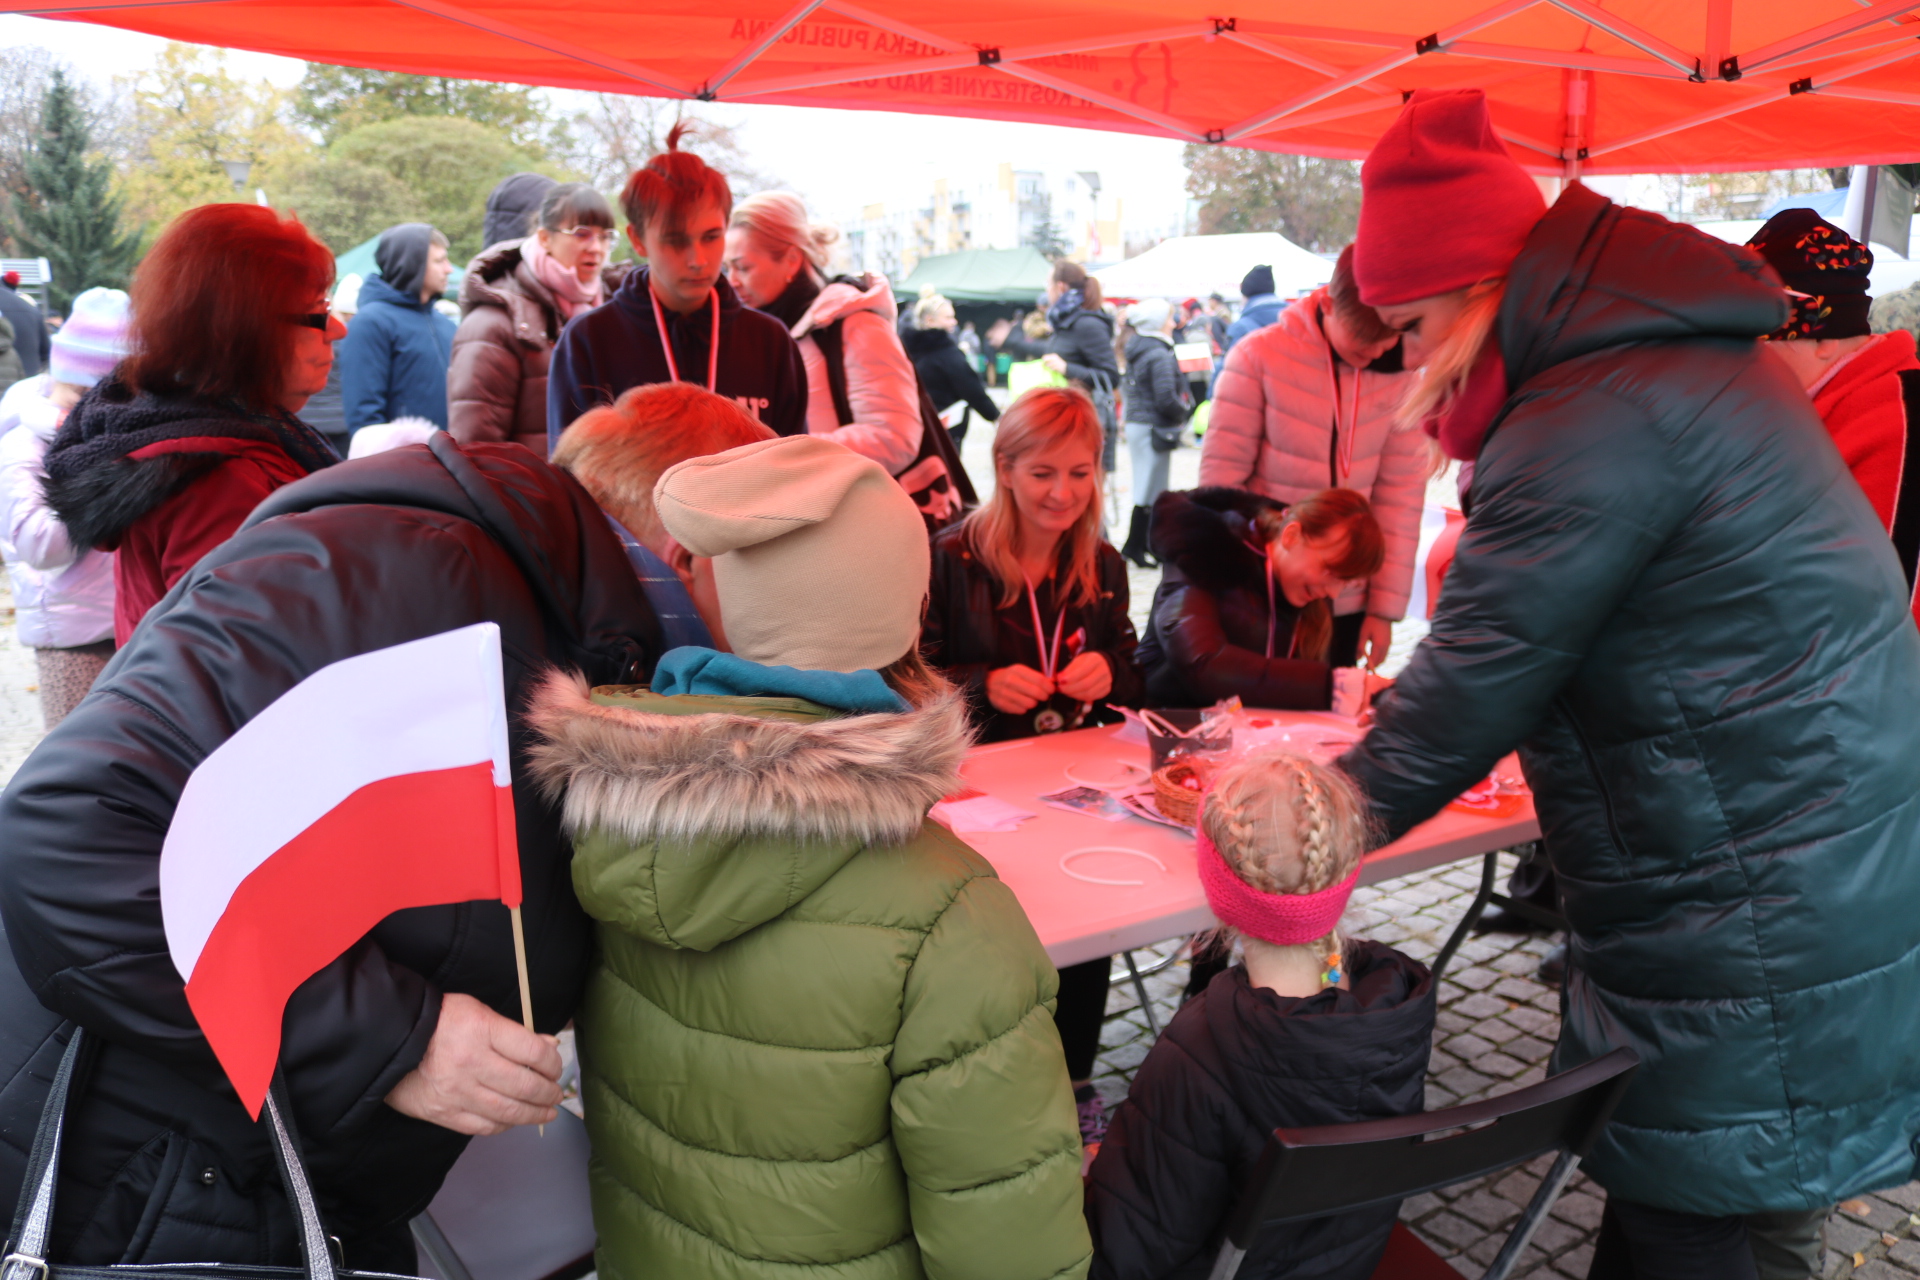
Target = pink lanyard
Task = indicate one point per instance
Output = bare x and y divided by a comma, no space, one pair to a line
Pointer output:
1343,442
660,322
1048,660
1273,606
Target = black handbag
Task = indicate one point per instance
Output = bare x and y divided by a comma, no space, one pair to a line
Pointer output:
26,1251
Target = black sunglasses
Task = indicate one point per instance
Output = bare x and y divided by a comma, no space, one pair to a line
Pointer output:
318,320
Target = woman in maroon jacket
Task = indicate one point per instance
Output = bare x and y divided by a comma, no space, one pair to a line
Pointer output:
231,336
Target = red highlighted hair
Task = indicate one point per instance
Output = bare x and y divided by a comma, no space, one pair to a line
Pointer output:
671,185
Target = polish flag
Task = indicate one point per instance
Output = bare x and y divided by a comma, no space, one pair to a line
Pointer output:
375,784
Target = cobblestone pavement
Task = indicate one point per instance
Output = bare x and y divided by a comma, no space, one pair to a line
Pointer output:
1496,1026
19,693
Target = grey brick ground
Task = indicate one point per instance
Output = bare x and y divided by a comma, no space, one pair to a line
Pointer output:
1495,1029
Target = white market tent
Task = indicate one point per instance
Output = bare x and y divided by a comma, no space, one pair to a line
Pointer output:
1195,266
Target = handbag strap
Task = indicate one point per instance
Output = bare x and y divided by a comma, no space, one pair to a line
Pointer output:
26,1256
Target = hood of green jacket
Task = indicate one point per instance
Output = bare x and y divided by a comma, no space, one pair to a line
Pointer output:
727,811
1626,275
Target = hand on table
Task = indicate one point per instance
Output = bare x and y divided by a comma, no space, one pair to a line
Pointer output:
1054,362
1088,678
1017,689
482,1073
1376,638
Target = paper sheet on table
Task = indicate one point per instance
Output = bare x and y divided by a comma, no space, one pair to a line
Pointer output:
980,813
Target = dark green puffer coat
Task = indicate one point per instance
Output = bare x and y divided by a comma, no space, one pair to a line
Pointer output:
819,1041
1674,599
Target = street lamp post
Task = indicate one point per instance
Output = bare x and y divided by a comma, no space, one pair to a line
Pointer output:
237,171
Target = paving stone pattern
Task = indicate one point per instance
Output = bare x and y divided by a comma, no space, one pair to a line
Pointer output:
1495,1028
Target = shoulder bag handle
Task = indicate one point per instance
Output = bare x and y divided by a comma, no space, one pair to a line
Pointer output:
26,1256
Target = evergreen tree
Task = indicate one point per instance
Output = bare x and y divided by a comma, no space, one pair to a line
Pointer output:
71,216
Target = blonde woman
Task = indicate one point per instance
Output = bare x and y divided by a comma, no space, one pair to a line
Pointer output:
1028,614
861,390
1674,600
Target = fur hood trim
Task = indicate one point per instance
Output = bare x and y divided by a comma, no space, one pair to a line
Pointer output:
1204,534
723,775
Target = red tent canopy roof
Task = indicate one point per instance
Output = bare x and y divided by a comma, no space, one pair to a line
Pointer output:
1631,86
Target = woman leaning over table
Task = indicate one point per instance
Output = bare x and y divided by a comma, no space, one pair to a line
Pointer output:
1028,614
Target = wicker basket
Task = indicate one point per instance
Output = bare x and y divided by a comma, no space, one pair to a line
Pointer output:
1170,797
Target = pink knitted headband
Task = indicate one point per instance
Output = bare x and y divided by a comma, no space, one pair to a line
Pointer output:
1284,919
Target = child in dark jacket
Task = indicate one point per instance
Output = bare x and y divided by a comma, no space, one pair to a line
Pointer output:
1311,1029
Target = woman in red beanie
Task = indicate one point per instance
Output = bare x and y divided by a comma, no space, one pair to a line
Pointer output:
1672,598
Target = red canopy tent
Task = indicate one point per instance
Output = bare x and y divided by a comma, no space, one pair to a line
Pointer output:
1631,86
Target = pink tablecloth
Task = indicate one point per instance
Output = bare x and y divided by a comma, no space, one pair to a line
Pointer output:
1078,920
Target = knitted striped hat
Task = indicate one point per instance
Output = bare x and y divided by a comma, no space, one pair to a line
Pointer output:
93,339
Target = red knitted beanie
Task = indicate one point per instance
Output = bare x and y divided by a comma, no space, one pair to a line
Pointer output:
1442,204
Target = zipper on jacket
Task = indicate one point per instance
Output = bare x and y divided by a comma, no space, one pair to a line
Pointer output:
1599,780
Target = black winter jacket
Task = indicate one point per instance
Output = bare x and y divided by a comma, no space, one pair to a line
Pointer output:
362,556
1084,340
1673,598
1238,1062
967,634
945,373
1213,614
1156,389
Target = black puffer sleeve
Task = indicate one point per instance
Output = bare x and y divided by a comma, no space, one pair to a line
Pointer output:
1119,642
1212,667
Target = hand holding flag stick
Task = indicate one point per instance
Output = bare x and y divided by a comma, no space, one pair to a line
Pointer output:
378,783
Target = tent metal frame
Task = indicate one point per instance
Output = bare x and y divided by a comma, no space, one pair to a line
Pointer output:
1763,70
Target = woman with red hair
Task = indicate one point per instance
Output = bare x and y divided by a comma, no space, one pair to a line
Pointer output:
231,335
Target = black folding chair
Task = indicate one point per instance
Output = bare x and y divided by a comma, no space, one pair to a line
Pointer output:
1487,897
1310,1173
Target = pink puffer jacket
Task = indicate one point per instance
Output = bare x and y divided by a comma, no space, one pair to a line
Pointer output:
1272,431
881,388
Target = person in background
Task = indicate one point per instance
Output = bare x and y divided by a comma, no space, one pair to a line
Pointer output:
1081,346
777,262
63,593
1865,386
1244,606
10,366
1312,1028
1157,409
160,462
31,336
942,365
817,1040
969,342
1671,597
676,319
513,208
619,452
1261,308
326,412
1027,613
515,299
393,362
1312,402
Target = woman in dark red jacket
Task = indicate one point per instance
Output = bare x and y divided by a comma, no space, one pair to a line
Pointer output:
231,336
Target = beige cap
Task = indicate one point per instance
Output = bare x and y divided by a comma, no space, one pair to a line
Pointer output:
820,559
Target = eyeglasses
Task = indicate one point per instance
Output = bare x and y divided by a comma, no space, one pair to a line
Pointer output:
318,320
586,235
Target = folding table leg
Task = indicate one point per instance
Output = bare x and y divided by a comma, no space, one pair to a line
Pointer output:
1140,989
439,1250
1536,1213
1227,1263
1479,904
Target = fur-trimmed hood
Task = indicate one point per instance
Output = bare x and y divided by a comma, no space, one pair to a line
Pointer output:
781,776
1205,534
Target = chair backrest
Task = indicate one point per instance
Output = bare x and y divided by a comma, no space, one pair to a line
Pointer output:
1307,1173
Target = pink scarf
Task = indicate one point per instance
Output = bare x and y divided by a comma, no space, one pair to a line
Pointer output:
1462,425
1284,919
572,296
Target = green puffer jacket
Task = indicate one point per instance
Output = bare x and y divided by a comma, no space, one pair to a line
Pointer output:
1673,597
819,1041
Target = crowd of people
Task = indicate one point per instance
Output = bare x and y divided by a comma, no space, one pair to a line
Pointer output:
753,619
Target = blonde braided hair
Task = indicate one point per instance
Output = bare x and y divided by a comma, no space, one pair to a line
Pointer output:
1286,824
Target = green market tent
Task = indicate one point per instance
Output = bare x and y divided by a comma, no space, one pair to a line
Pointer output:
1003,277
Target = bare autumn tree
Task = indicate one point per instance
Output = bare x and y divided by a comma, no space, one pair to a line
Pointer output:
1313,202
616,134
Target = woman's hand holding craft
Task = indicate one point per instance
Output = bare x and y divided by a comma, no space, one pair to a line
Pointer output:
482,1073
1088,678
1017,689
1054,361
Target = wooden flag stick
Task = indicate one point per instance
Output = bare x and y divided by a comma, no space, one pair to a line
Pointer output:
526,984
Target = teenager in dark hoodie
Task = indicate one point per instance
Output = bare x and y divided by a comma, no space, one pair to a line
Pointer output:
393,361
163,459
659,326
1311,1029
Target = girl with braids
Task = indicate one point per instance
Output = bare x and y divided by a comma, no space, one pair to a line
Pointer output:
1311,1028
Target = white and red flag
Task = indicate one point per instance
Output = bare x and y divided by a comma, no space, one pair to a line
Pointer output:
377,783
